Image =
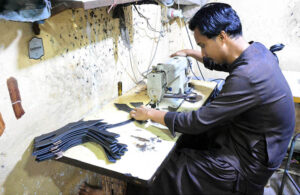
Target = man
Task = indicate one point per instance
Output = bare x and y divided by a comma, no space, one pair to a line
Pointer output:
243,134
239,139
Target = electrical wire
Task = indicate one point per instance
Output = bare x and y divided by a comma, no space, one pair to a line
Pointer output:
190,65
127,72
130,59
135,80
193,48
148,69
180,25
160,35
128,45
218,79
147,21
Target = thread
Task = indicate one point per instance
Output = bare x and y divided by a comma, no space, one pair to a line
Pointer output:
174,13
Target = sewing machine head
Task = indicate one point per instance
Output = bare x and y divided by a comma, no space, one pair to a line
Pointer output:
167,79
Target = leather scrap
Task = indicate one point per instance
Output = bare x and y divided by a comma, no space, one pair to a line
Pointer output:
126,108
53,144
15,97
123,107
136,104
2,125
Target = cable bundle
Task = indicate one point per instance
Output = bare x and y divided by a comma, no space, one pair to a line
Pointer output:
52,145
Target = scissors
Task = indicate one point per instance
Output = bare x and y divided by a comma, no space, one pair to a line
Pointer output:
191,97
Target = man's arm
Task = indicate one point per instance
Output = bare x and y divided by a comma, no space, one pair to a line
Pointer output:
236,97
197,55
143,113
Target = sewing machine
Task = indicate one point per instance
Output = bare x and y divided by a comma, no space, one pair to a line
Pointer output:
167,84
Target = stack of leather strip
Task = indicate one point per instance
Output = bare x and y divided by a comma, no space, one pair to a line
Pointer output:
52,145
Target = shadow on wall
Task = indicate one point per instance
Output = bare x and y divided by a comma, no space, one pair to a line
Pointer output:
48,177
67,31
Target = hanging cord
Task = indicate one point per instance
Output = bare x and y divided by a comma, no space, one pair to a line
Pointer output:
113,5
190,65
187,32
144,74
127,42
148,69
147,21
180,24
135,80
127,71
131,64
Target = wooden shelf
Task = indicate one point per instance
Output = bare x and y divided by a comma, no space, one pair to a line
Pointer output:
61,5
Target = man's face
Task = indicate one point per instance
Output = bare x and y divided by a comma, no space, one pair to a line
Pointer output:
211,48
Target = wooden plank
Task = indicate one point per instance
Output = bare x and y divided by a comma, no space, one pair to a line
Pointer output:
297,99
102,3
61,5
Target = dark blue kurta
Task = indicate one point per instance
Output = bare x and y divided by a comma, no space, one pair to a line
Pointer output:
251,121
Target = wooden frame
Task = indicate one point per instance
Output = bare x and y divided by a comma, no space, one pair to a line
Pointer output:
61,5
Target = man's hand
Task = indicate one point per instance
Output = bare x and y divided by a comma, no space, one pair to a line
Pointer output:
183,53
140,113
143,113
197,55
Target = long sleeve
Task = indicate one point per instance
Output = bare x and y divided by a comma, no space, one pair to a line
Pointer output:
257,104
236,97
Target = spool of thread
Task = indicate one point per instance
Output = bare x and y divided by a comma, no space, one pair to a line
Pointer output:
174,13
119,88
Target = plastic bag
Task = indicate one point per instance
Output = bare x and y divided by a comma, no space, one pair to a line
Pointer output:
26,10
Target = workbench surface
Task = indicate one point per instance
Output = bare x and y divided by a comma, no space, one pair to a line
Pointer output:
148,146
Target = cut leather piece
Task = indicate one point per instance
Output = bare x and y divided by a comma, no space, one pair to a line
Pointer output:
15,97
120,124
2,125
104,132
59,138
74,126
136,104
123,107
52,145
65,131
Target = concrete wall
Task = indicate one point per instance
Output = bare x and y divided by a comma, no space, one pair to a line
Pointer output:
271,22
84,59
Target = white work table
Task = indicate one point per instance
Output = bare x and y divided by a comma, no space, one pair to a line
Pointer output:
293,79
149,147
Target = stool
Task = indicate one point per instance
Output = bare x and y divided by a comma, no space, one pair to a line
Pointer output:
112,186
287,166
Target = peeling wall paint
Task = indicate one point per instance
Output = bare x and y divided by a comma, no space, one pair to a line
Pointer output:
84,59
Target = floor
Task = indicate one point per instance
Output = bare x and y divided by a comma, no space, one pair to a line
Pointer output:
275,181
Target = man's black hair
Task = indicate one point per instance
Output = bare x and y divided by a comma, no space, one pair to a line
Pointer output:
212,18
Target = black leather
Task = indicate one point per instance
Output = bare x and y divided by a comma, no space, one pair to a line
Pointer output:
52,145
